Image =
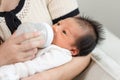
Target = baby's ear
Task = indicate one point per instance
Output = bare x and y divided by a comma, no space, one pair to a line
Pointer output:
74,51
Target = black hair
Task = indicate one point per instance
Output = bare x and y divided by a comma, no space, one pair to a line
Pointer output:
87,43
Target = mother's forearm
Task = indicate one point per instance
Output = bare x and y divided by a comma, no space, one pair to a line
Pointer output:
65,72
72,69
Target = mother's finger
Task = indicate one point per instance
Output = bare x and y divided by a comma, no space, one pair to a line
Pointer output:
30,54
28,45
26,36
26,55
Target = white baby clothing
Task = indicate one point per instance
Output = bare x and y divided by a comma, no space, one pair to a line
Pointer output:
47,58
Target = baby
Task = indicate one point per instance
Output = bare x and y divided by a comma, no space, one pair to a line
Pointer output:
74,36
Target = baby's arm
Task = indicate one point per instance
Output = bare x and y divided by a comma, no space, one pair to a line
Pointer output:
50,59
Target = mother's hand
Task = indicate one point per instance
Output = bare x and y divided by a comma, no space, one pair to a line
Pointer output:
13,50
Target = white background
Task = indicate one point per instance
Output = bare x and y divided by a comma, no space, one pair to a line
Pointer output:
105,11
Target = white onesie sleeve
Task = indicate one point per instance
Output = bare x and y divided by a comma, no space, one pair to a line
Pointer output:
47,58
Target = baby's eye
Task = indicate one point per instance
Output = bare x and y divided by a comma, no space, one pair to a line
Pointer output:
64,31
58,23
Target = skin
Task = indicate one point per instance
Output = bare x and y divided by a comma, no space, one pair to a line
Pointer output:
12,51
66,32
7,5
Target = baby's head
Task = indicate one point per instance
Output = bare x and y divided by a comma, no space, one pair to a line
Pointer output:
80,35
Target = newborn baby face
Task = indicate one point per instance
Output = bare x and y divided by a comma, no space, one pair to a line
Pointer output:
66,32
